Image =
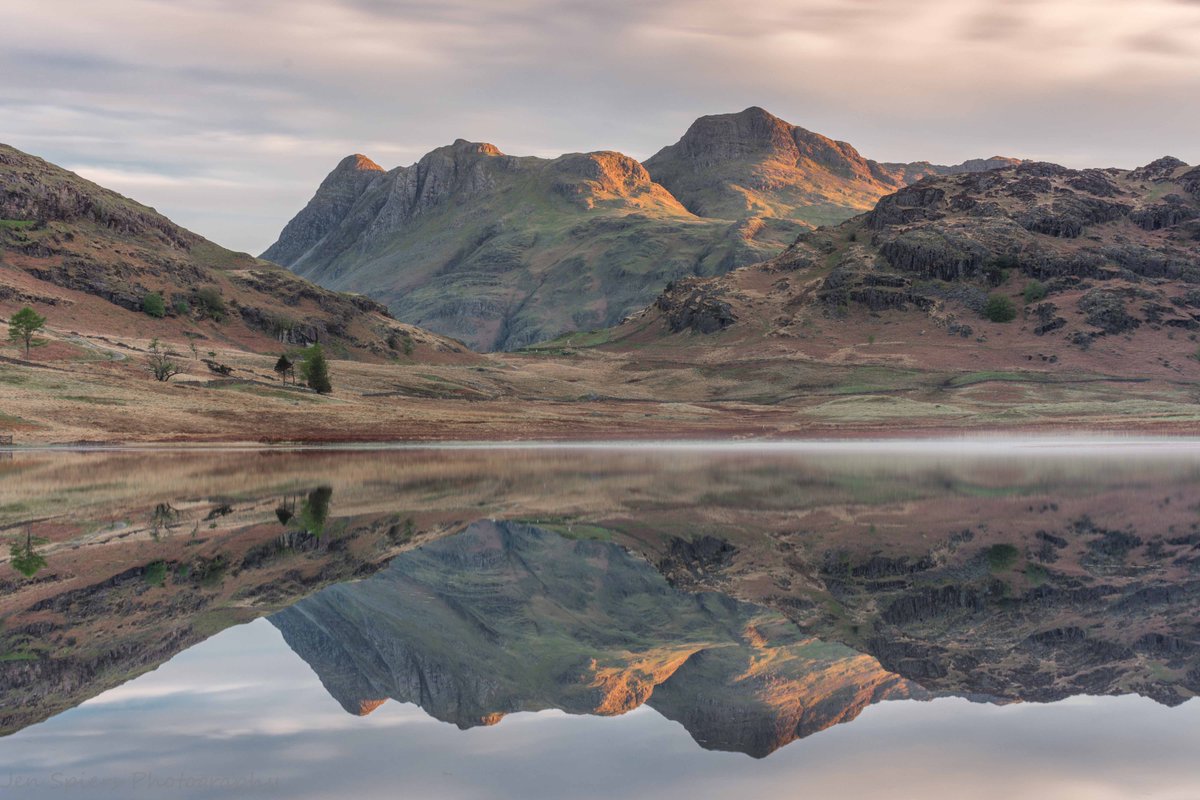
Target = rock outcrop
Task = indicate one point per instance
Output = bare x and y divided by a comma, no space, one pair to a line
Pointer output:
1089,253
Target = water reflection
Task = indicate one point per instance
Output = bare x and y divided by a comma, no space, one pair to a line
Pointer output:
753,597
506,617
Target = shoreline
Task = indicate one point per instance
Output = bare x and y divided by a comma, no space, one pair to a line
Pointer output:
968,442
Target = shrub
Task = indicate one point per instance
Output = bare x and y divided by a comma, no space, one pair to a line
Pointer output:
155,573
315,511
210,302
999,308
1035,291
1002,557
181,305
153,305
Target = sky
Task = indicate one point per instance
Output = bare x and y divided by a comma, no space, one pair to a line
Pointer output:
226,114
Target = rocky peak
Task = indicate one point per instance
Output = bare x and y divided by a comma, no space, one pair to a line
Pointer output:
334,198
356,163
722,137
590,178
463,149
461,170
1161,169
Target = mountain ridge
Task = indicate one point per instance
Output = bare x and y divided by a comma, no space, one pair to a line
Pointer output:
504,251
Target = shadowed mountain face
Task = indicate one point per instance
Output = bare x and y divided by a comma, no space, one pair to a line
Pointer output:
505,617
503,251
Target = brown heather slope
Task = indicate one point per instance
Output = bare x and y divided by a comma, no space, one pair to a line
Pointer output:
87,257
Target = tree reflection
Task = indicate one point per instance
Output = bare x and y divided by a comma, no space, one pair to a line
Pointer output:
24,559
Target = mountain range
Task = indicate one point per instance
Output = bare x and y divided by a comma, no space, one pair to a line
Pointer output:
503,251
880,321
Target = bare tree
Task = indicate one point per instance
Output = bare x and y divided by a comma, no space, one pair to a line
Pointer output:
160,362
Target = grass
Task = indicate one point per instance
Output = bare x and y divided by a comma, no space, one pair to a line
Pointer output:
571,340
578,531
96,401
876,407
264,391
16,224
972,378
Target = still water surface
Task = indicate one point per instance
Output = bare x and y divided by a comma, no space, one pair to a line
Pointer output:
903,621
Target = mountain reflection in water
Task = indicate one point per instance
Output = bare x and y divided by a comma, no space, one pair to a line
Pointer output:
753,597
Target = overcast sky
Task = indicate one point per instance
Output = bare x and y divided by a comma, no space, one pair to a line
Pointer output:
226,114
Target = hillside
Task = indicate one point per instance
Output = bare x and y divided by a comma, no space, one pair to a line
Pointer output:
503,251
87,258
1101,267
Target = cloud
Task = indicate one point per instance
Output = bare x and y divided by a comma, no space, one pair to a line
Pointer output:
171,99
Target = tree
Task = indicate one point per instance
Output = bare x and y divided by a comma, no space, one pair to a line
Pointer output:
999,308
24,559
154,305
315,370
23,325
161,363
284,366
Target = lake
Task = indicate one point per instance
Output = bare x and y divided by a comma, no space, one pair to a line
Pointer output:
984,619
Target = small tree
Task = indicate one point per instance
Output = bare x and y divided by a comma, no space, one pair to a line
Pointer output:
315,370
999,308
23,325
154,305
161,363
284,366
